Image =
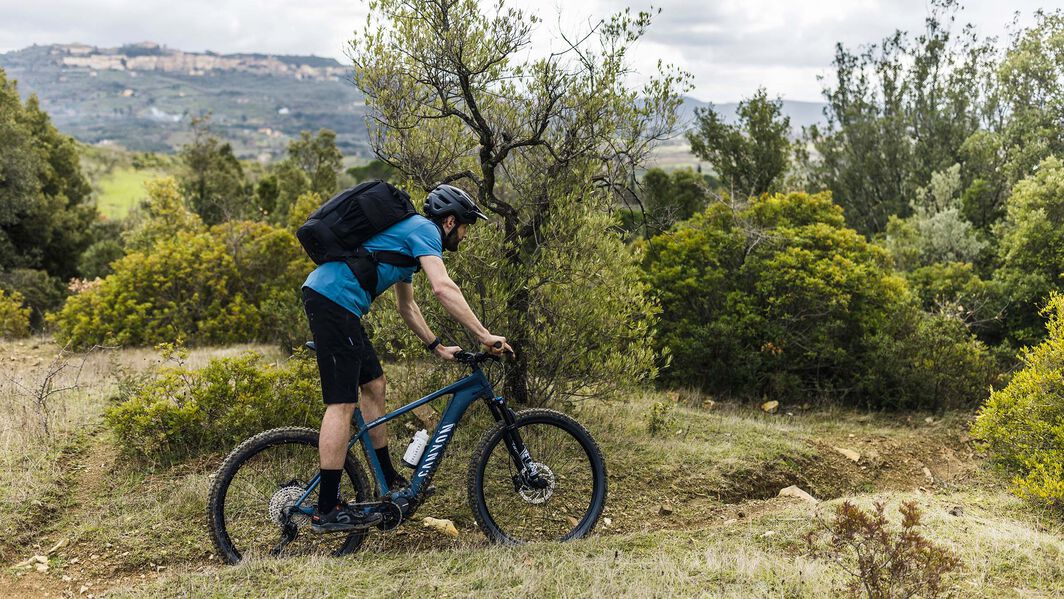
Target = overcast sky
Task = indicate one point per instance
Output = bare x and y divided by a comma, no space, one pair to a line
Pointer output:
731,47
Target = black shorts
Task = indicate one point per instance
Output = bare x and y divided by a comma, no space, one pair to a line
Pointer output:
346,358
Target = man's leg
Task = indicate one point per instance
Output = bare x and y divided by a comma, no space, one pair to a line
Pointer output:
372,397
332,448
335,433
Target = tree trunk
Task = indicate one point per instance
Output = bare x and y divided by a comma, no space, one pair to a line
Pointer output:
515,383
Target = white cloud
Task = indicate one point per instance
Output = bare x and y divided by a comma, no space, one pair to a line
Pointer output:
730,46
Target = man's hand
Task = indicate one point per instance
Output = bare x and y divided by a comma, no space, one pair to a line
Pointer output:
446,352
496,344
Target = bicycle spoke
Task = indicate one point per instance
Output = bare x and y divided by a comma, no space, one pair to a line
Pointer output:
260,495
570,494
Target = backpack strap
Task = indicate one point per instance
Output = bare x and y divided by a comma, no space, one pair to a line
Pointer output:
363,265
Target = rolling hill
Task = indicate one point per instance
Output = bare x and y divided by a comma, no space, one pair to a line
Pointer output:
141,97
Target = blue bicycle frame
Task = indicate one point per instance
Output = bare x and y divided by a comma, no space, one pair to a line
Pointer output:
465,392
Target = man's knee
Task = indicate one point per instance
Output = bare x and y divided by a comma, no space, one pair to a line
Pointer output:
374,390
341,409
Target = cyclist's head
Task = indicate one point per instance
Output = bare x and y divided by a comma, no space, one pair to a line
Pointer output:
453,211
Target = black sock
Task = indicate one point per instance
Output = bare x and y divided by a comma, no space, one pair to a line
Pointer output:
386,464
328,490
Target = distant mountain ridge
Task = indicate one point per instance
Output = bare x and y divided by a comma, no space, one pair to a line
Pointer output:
150,56
802,114
141,96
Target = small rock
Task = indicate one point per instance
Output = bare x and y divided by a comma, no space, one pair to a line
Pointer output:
607,521
957,511
42,567
40,559
442,526
740,514
850,454
797,493
572,521
665,510
730,521
770,406
929,420
927,473
83,589
767,533
57,546
66,578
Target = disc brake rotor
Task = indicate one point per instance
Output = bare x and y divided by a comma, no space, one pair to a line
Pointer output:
285,498
538,496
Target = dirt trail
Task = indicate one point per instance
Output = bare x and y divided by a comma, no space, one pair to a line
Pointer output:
929,458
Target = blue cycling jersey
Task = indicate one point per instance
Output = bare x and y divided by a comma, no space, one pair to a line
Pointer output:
416,236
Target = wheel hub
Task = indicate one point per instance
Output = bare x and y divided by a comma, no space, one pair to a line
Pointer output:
536,495
283,500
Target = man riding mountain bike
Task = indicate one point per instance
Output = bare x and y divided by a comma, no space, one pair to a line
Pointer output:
335,302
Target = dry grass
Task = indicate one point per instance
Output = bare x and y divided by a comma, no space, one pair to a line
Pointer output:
140,532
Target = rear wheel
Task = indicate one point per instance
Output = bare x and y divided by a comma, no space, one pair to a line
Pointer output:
562,501
249,509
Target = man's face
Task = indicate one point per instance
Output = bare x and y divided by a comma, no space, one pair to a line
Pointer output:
455,233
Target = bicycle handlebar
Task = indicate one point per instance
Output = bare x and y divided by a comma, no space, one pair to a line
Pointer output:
468,357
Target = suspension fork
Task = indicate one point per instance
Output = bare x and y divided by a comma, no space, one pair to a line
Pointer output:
515,445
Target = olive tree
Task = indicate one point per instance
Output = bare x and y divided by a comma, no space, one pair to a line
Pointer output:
547,145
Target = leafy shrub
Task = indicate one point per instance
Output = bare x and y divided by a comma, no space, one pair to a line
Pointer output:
40,292
14,318
926,361
659,417
178,413
1030,249
105,249
97,259
218,286
1022,425
778,297
881,563
774,297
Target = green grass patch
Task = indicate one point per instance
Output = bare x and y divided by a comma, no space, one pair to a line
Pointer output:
119,191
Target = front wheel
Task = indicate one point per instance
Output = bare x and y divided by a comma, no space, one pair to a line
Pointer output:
561,500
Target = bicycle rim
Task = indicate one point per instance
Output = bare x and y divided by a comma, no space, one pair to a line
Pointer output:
258,496
566,509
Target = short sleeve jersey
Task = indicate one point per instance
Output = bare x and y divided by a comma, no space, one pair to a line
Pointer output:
416,236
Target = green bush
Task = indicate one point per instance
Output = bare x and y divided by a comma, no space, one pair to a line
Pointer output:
1022,425
955,288
105,249
40,292
229,284
926,361
14,318
1031,249
178,413
778,297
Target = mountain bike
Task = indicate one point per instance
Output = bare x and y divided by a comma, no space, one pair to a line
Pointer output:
535,475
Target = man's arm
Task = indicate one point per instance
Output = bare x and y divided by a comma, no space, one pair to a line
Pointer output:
411,313
455,303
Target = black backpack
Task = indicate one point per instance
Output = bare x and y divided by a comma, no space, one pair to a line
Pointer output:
337,230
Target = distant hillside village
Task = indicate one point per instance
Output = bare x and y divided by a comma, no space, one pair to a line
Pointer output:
150,56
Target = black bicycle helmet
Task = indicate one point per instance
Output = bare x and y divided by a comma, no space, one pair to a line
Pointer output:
447,200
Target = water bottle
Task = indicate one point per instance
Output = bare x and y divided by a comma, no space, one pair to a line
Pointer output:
416,448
